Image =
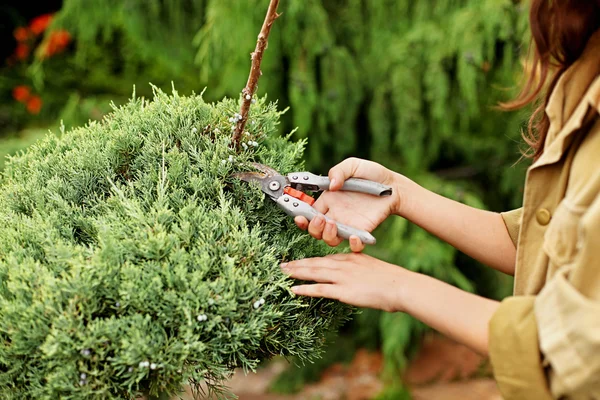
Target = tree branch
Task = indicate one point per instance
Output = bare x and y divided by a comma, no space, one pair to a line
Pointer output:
255,71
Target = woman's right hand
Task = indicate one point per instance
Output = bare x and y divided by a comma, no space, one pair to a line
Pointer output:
359,210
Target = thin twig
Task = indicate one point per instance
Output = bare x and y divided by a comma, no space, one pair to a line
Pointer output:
255,72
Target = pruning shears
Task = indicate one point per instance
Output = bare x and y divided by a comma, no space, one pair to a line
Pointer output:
288,192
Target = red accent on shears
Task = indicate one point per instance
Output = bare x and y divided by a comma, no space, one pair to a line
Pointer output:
297,194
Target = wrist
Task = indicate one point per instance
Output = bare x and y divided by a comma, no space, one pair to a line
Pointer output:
405,191
400,296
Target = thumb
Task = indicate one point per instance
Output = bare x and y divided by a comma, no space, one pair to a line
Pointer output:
341,172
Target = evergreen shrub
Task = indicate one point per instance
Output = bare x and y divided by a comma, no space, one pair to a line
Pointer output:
131,262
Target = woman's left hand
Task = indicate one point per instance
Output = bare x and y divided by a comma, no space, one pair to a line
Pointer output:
365,281
355,279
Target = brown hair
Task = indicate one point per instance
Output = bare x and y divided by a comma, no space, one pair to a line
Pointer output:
560,29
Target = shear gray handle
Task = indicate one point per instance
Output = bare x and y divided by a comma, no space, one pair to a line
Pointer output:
314,182
294,207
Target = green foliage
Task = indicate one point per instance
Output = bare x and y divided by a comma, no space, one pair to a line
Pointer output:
141,40
15,144
132,262
409,84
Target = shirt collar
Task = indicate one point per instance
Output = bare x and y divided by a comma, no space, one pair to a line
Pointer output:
575,94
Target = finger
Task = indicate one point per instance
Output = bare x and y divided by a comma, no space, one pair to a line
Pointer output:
317,290
321,204
301,222
356,245
330,234
313,274
316,226
341,172
306,262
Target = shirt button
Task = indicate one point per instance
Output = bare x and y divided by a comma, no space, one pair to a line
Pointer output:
543,216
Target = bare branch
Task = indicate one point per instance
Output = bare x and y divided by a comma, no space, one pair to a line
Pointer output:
255,72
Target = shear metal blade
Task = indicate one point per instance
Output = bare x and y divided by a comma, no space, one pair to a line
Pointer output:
265,169
250,176
272,185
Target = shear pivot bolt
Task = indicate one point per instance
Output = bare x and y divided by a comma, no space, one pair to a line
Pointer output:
295,204
286,199
305,177
274,185
294,177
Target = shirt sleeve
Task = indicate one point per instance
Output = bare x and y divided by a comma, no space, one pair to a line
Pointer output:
514,351
548,346
512,220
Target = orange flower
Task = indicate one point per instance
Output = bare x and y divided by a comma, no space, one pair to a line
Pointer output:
61,37
40,23
34,104
21,93
22,51
57,42
21,33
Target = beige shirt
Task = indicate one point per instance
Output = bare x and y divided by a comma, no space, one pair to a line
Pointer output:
545,340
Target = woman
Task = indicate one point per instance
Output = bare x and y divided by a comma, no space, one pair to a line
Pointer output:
543,342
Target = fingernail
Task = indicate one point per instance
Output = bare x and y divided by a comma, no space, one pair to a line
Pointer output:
320,220
294,289
332,183
283,265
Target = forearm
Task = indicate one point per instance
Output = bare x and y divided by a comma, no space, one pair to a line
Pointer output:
457,314
480,234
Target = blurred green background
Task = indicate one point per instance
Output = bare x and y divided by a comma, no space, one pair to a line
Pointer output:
410,84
